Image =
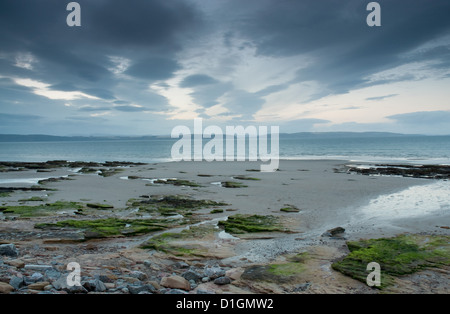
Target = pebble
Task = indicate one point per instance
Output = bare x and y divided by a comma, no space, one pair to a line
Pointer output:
222,280
192,275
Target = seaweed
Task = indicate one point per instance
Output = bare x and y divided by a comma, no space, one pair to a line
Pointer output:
111,227
239,224
233,185
41,210
398,256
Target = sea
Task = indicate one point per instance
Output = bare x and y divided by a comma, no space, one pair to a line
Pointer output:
413,149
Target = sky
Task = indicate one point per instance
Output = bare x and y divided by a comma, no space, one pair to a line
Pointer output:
141,67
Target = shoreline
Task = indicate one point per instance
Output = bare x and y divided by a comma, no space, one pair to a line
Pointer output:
320,194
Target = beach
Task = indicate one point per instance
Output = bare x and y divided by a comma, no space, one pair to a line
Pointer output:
319,206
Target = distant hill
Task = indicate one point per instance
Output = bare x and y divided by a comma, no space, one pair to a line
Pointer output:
52,138
300,135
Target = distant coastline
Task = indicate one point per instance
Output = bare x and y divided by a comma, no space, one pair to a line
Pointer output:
307,135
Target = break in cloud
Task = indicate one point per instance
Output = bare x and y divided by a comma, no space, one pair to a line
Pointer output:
142,67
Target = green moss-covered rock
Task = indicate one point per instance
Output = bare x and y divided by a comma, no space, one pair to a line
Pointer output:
278,273
172,204
182,243
41,210
103,228
99,206
233,185
239,224
401,255
290,209
177,182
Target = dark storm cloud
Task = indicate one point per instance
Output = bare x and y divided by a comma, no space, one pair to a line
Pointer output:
148,33
337,35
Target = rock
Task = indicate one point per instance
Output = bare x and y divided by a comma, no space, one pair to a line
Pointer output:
139,275
39,285
17,282
94,285
175,282
38,267
175,291
192,275
52,275
16,263
301,287
108,278
222,280
8,250
5,288
34,278
214,272
138,289
205,279
61,284
201,291
180,265
335,232
234,273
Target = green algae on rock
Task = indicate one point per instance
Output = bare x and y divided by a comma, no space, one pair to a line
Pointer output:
278,273
184,243
239,224
41,210
99,206
397,256
172,204
110,227
175,182
290,209
233,185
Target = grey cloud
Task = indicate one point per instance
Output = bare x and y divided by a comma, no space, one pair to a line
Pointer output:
7,119
152,69
423,118
93,109
197,80
381,97
130,108
342,43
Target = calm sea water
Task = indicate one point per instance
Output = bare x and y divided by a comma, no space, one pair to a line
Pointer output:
412,149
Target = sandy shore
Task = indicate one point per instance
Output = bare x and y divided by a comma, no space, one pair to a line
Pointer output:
325,196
